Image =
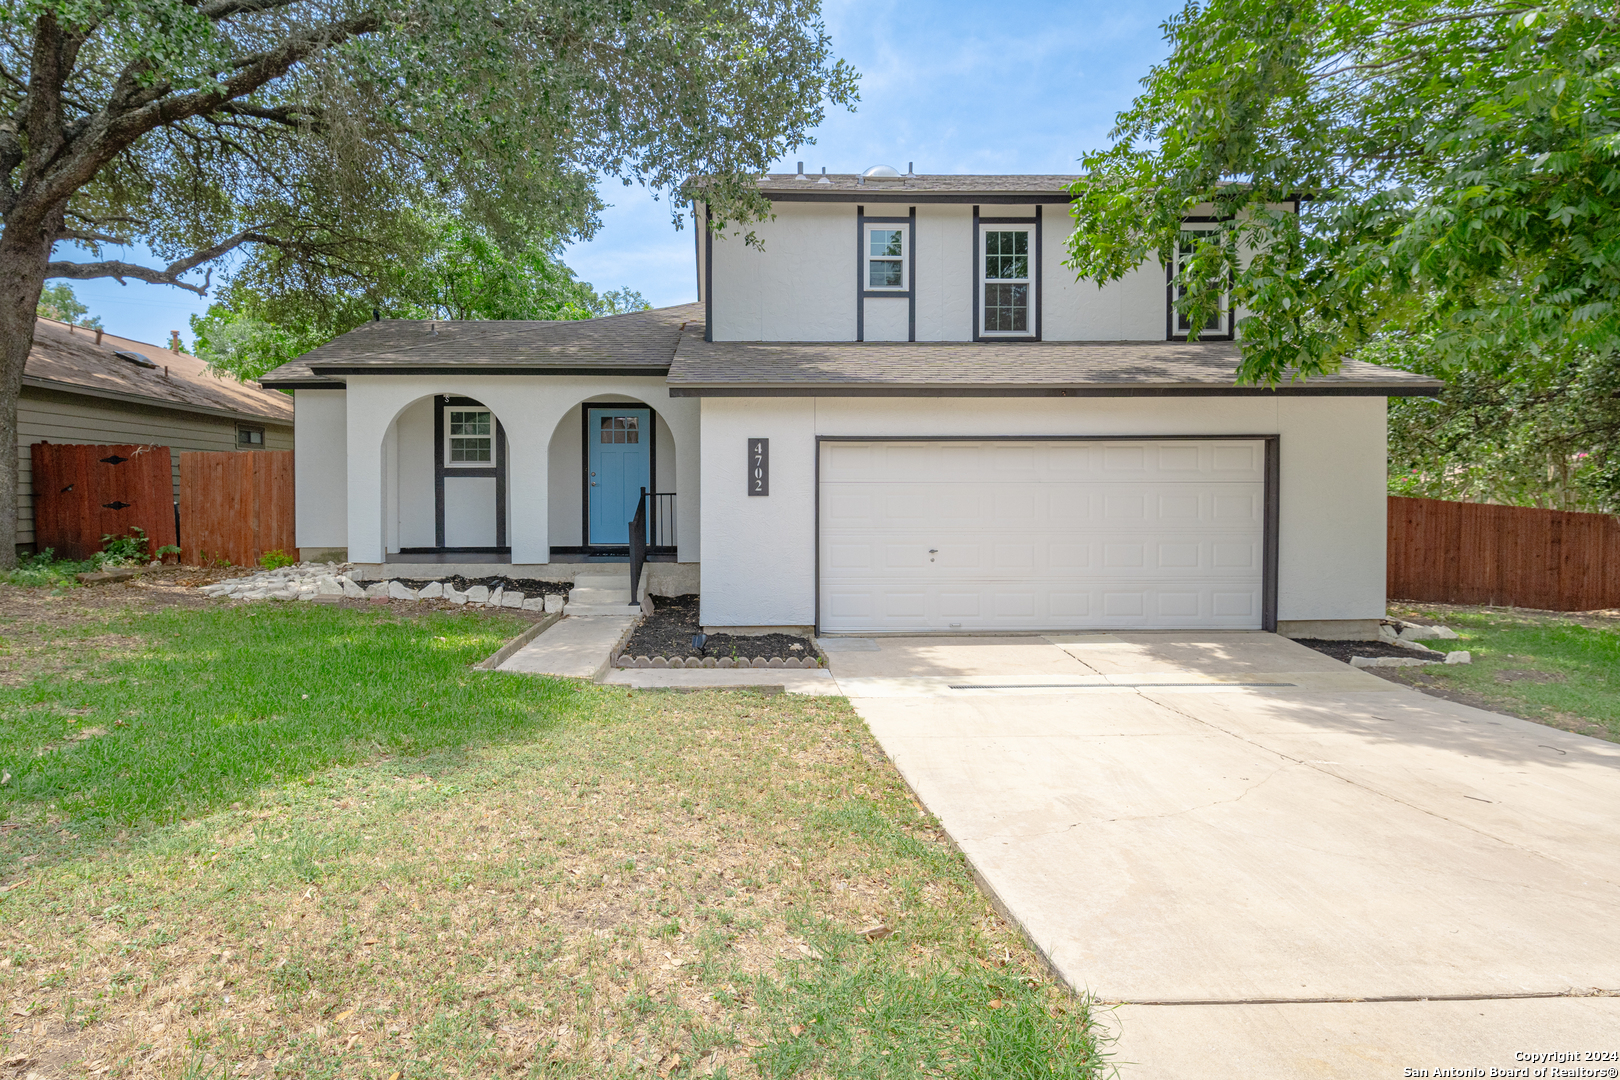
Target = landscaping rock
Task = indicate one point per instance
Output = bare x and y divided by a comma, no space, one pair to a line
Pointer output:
1461,656
377,590
534,603
1390,661
327,585
433,590
512,599
478,594
454,595
496,597
396,591
554,602
1414,632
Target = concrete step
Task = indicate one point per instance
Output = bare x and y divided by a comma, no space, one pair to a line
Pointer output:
577,595
617,609
617,579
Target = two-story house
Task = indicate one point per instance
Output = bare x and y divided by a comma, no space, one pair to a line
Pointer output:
896,412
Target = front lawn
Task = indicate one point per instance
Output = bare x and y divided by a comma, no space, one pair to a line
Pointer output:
1561,670
420,870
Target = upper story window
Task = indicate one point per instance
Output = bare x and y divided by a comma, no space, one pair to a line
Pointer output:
1219,324
471,435
1005,287
886,259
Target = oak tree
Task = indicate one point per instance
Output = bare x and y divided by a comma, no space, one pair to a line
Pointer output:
194,128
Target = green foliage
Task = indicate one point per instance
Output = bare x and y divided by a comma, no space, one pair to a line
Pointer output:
1550,440
308,128
58,302
451,270
276,559
45,570
126,550
1457,161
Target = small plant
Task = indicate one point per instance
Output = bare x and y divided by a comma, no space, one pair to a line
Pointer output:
128,550
275,560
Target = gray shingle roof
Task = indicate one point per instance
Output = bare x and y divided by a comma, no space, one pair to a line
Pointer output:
942,182
1101,367
639,342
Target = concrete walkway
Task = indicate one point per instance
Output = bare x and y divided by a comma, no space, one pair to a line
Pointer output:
577,647
1248,844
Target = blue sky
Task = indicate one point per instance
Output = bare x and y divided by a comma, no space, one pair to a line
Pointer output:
953,87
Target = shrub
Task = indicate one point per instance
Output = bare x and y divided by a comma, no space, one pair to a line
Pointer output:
276,559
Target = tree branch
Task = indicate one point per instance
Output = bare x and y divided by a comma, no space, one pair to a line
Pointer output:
169,275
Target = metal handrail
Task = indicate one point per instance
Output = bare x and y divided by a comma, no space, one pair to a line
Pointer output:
654,530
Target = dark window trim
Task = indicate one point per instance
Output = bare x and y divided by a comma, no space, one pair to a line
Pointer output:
494,369
260,445
863,294
923,198
441,469
831,391
977,281
1170,331
586,547
1271,513
708,273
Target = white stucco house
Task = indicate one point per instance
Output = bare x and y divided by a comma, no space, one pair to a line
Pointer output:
898,412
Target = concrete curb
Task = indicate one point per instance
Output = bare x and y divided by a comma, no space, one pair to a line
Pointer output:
613,654
504,653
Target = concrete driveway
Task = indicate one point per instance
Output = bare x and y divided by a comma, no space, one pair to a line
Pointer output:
1279,865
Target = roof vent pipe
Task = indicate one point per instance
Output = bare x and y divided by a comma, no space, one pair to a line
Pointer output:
824,179
801,175
910,171
98,335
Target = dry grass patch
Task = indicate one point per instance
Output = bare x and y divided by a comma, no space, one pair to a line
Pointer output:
657,884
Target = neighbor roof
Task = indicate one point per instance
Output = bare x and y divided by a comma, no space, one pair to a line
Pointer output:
1102,368
638,343
70,361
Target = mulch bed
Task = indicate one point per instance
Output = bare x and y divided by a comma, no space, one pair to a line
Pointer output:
668,632
1344,650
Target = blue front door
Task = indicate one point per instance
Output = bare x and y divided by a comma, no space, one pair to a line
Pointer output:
619,465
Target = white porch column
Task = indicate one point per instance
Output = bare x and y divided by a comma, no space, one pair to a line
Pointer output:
368,422
684,417
528,474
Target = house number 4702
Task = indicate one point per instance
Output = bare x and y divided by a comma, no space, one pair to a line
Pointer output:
759,466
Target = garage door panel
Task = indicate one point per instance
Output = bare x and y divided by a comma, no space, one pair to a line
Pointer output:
1060,535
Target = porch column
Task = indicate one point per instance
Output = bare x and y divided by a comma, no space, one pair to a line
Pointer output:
528,526
368,476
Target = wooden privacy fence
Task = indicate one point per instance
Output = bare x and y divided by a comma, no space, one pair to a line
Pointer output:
1474,553
234,507
82,493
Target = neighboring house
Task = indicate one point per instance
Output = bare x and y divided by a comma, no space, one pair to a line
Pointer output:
81,386
897,412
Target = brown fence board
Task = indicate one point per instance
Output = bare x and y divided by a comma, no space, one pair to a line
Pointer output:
84,492
234,507
1475,553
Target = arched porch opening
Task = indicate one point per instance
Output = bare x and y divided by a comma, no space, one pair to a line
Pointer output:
603,451
446,488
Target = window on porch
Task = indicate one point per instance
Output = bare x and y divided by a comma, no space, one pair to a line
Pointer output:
471,437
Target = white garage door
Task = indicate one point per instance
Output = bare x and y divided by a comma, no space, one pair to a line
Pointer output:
1059,535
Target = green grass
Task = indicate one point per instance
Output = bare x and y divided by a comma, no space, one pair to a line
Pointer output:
1580,664
425,870
214,703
